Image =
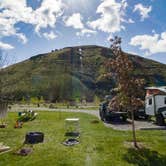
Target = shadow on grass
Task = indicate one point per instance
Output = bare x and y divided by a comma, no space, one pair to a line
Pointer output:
118,122
144,157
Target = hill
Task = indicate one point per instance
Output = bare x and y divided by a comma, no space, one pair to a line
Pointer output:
73,73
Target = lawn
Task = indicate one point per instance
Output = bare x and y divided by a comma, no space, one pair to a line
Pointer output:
100,146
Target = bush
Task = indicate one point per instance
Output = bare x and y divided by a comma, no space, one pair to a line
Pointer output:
52,106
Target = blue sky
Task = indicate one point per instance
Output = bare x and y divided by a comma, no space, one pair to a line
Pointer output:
31,27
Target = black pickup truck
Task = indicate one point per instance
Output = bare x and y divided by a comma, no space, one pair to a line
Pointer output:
107,115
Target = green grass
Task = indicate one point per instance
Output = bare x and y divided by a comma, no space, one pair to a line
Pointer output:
100,146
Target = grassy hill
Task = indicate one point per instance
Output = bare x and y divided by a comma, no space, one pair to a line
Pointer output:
63,75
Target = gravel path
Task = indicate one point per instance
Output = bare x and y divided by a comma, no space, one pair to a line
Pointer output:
139,125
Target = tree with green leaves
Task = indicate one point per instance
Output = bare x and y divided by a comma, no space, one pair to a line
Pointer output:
41,100
129,88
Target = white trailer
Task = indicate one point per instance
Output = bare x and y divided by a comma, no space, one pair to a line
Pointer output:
155,103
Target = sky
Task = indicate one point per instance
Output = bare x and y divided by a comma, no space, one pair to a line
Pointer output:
31,27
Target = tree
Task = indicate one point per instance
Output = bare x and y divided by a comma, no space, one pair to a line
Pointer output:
4,98
23,101
96,100
41,100
34,100
129,87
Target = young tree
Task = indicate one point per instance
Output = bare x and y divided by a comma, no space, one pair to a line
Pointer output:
41,100
129,87
23,101
34,100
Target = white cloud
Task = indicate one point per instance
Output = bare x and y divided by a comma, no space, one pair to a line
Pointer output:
152,44
143,10
74,21
131,21
112,15
5,46
47,14
13,12
86,32
50,35
133,52
22,37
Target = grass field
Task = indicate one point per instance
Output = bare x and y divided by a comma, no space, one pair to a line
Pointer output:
100,146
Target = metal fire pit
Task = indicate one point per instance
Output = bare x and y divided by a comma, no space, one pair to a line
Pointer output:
71,142
34,138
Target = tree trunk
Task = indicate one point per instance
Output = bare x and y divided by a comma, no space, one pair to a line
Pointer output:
133,130
3,111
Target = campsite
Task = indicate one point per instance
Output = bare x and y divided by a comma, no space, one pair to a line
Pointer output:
97,143
82,83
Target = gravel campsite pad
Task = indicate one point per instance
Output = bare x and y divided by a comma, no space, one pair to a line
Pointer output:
139,125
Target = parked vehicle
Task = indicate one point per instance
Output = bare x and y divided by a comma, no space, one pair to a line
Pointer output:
109,115
155,103
139,114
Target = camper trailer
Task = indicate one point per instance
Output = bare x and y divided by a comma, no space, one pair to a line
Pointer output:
155,103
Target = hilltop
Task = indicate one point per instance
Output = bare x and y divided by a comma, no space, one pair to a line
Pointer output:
63,75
